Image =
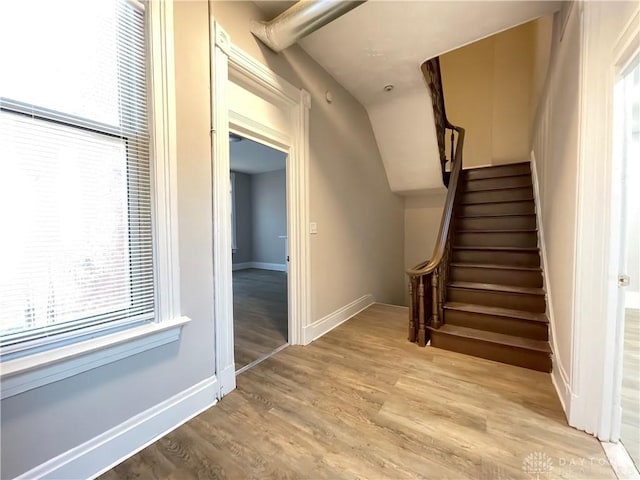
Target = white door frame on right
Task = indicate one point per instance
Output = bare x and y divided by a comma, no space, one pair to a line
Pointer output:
604,389
595,367
627,51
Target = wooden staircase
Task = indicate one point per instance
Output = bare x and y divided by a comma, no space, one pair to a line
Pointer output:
481,292
494,304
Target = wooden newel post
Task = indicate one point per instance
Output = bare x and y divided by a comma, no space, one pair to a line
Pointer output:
412,319
435,321
422,330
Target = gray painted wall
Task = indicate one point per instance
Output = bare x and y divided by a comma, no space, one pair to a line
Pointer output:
359,247
244,219
269,201
43,423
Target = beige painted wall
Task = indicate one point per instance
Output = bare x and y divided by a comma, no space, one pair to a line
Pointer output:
359,245
422,215
570,147
489,89
556,152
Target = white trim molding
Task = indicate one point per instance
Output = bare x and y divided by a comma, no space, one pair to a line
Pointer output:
165,159
112,447
276,267
329,322
222,257
242,266
32,371
232,64
559,376
626,50
596,365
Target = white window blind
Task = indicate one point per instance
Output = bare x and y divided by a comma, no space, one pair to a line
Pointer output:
76,250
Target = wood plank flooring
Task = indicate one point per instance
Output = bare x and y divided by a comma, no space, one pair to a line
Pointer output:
630,429
362,402
259,314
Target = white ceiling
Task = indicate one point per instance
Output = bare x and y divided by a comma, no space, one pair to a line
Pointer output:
384,42
251,157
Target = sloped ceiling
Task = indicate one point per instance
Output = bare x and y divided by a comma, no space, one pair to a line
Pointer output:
384,43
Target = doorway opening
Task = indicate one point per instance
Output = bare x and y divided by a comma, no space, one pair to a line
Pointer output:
252,101
259,250
628,151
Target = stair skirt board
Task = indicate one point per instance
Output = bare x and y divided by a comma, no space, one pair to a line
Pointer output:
497,352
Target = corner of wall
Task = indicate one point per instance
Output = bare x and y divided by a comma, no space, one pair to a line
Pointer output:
329,322
559,375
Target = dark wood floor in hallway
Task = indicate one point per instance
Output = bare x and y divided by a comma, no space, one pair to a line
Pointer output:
362,402
259,314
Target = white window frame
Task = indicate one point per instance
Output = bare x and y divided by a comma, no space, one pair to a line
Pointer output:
34,370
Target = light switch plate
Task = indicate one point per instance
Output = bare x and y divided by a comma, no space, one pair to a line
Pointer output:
313,228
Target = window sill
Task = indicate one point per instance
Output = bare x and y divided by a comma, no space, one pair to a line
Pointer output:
26,373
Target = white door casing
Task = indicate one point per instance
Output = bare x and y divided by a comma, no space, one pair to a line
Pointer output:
230,64
596,363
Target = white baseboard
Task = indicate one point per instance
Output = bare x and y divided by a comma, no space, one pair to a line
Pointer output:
331,321
240,266
112,447
404,307
279,267
227,379
558,374
561,383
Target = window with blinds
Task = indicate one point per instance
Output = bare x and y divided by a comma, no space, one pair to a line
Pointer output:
76,250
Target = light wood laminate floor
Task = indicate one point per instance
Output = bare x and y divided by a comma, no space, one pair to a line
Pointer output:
259,314
630,430
362,402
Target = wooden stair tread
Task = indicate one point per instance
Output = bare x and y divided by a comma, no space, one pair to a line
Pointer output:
497,311
493,215
497,288
513,249
528,199
504,230
495,265
492,337
500,165
502,187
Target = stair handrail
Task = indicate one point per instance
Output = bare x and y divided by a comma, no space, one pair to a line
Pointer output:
433,76
447,214
437,266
